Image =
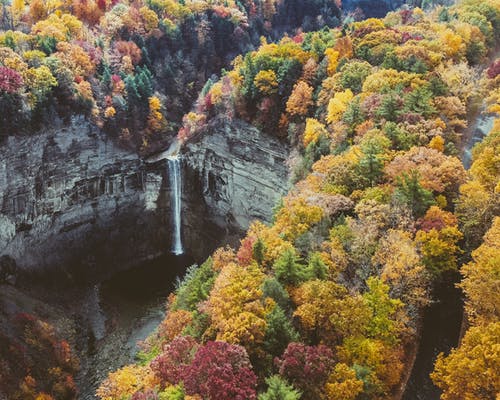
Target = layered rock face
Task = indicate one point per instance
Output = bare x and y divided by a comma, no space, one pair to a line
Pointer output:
241,173
74,202
72,198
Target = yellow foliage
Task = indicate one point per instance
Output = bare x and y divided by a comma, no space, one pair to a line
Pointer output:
314,129
109,112
235,307
343,384
85,90
266,81
470,372
481,282
338,105
296,218
437,143
156,120
274,243
150,18
333,60
300,99
389,78
126,381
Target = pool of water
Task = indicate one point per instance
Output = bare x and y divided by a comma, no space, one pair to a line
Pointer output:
117,313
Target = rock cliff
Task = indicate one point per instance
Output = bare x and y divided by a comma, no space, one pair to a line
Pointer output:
74,202
241,173
72,198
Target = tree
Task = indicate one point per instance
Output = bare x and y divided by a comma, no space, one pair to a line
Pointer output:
314,129
374,146
279,332
174,323
419,101
377,364
279,389
470,372
300,99
170,366
237,313
439,248
221,371
482,279
10,80
40,81
410,192
338,105
328,313
273,289
402,269
287,268
195,286
353,74
308,367
296,218
343,384
382,323
390,107
156,120
125,382
266,82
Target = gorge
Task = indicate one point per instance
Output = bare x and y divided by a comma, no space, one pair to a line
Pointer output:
293,228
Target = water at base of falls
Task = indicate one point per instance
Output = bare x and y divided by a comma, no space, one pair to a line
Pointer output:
174,175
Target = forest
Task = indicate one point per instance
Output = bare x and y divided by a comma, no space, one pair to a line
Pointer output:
327,300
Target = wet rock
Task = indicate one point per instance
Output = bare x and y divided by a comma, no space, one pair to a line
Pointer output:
8,270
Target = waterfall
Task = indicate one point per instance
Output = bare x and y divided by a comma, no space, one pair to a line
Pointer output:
174,175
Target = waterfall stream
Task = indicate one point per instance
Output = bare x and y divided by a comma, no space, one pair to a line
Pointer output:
174,174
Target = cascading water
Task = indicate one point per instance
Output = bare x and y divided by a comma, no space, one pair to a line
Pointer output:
174,174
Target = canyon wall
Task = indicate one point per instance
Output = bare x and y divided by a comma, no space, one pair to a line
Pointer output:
74,202
240,174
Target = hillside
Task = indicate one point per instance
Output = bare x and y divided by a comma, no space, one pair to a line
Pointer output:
326,302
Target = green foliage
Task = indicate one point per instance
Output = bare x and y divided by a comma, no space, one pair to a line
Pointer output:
316,268
287,268
382,324
273,289
419,101
172,393
400,138
371,164
410,192
279,389
390,107
195,286
353,74
258,251
279,332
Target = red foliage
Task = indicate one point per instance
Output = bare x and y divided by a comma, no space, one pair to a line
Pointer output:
170,365
494,70
221,371
10,80
245,253
406,16
101,4
298,38
307,366
127,48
